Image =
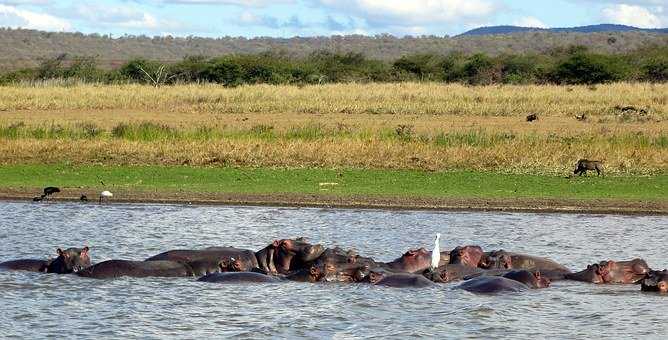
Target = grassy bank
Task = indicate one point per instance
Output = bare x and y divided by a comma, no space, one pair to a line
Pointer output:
165,182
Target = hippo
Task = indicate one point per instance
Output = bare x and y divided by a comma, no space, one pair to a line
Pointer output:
234,259
399,280
413,261
339,265
613,272
68,261
501,259
119,268
471,256
655,281
238,277
514,281
290,255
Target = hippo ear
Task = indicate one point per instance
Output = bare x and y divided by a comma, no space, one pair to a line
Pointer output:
537,274
313,271
62,253
85,250
276,243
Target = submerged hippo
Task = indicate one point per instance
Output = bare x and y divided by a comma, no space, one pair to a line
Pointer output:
655,281
119,268
515,281
501,259
231,259
613,272
238,277
399,280
413,261
30,265
471,256
533,280
68,261
289,255
452,272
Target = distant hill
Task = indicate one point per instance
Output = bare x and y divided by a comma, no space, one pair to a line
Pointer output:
581,29
26,48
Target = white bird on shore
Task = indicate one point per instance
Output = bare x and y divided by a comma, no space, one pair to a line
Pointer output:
105,195
436,252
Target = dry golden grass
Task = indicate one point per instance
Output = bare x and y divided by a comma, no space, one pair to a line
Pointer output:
403,98
345,125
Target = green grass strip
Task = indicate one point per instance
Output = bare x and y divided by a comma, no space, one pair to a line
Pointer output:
457,184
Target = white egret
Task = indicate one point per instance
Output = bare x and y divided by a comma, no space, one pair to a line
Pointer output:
436,252
105,195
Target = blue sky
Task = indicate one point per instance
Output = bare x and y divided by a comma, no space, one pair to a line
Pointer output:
288,18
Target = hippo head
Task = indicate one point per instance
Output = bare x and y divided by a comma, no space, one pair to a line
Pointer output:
342,266
497,260
623,271
294,254
70,260
471,256
533,280
414,260
655,281
232,264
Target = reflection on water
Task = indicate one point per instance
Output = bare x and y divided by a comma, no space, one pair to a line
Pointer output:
39,305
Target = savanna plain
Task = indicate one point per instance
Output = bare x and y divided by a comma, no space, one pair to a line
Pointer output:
417,145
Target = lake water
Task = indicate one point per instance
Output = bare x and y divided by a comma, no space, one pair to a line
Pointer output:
46,305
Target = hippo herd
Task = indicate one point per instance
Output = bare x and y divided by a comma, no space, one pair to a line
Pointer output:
298,260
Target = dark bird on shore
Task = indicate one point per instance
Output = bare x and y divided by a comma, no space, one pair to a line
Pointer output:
532,117
38,198
83,198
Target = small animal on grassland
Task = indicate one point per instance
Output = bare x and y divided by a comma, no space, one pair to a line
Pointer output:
584,165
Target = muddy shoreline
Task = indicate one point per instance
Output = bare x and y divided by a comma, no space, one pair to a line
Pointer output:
535,205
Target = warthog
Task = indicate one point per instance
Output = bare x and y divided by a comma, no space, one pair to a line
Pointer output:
583,165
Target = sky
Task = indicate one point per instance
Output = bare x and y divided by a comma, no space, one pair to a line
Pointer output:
289,18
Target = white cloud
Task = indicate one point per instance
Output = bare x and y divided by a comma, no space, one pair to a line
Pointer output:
11,16
243,3
633,15
24,2
412,13
532,22
119,16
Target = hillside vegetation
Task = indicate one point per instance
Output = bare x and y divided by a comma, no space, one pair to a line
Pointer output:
573,65
27,48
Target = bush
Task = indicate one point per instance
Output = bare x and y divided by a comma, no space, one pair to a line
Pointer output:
224,71
656,69
479,70
585,68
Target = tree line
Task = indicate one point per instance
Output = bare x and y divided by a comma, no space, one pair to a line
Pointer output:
572,65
